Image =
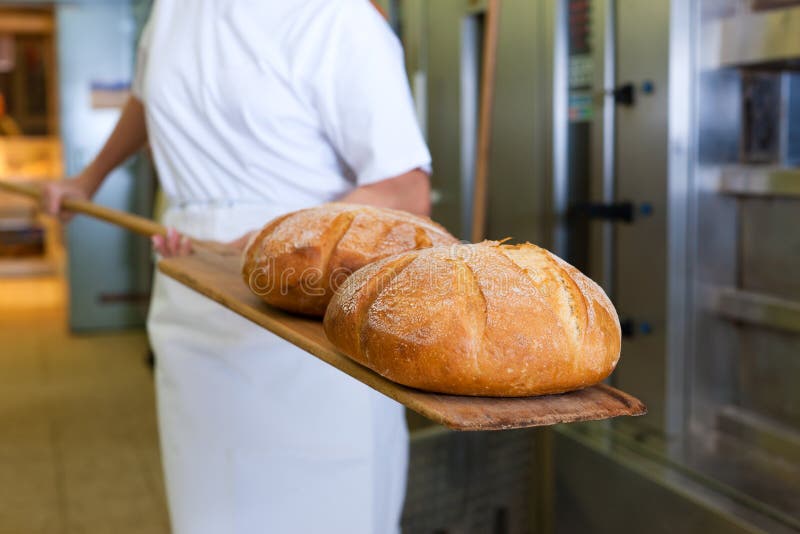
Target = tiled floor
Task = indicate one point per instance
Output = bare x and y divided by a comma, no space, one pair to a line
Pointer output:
78,441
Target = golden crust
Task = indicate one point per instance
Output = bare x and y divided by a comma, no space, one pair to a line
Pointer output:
298,260
486,319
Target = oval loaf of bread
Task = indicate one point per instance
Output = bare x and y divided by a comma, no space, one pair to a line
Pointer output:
297,260
486,319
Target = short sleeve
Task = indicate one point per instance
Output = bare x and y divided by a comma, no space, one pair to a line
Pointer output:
363,96
142,52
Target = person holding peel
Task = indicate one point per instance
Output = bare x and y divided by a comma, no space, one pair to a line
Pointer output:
252,110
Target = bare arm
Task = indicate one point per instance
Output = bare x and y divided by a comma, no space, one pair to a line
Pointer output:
128,137
409,192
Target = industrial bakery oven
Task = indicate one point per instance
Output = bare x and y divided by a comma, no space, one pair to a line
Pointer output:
742,424
655,145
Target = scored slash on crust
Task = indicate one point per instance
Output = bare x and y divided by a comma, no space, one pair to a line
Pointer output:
301,258
487,319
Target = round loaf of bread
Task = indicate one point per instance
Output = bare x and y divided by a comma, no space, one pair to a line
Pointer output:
487,319
297,260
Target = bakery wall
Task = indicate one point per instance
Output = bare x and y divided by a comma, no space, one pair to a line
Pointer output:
96,45
79,448
30,148
65,70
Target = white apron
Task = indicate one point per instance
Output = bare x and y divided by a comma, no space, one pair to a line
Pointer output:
257,435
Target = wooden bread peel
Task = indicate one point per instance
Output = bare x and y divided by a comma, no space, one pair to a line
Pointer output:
134,223
214,272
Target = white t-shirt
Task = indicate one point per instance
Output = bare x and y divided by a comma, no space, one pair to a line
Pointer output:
282,102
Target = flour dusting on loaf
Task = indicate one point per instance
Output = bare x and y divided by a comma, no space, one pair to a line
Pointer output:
298,260
486,319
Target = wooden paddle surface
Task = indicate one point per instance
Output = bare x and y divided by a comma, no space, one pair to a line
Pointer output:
218,278
214,271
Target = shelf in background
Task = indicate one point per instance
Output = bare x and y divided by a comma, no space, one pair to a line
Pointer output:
750,428
757,309
764,38
26,267
760,181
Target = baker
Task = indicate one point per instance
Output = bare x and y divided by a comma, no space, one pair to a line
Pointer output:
253,109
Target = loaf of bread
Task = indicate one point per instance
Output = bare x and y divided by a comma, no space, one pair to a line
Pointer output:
487,319
297,260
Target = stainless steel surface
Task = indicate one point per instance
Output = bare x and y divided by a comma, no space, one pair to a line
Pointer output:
641,177
760,181
520,189
440,41
602,142
469,482
444,39
694,363
758,309
764,356
773,439
559,128
544,492
769,372
712,236
613,483
712,247
748,475
753,451
519,186
717,98
681,139
753,38
768,247
696,229
744,317
470,62
413,19
606,29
